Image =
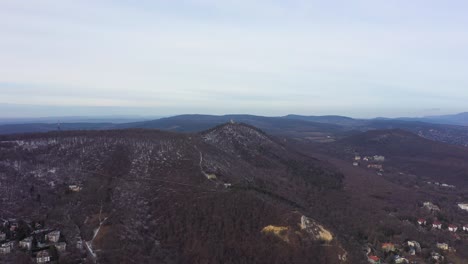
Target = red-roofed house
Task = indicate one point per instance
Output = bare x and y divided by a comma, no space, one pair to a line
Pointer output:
422,221
388,247
465,227
437,225
373,259
452,228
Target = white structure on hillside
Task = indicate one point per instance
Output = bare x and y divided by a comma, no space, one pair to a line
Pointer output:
379,158
26,243
463,206
43,256
53,236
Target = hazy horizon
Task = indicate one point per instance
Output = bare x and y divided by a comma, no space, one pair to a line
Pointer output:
42,112
361,58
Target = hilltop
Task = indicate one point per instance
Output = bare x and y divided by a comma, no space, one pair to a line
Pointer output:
198,198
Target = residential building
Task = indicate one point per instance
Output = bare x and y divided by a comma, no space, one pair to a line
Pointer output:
437,224
436,256
465,227
79,244
53,236
74,188
452,228
463,206
379,158
61,246
400,260
373,259
43,256
26,243
443,246
422,221
414,245
431,207
375,166
388,247
5,249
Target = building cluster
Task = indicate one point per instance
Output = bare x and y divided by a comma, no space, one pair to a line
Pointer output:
33,238
440,184
438,225
373,162
406,253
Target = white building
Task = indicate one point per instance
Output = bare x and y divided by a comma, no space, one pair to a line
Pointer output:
452,228
463,206
43,256
26,243
437,225
379,158
5,249
53,236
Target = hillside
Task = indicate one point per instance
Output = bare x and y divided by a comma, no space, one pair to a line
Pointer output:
230,194
411,153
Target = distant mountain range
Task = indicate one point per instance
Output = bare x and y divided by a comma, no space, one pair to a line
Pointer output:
460,119
308,128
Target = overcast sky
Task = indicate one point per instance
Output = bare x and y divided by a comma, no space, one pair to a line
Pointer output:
360,58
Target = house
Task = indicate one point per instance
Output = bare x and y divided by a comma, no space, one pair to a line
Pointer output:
79,244
61,246
26,243
452,228
436,256
388,247
379,158
414,245
43,256
375,166
431,207
437,224
355,164
465,227
227,185
399,260
443,246
53,236
412,252
74,188
357,158
463,206
366,159
373,259
13,227
422,221
2,236
5,249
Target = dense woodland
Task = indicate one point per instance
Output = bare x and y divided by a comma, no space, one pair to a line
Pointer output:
160,197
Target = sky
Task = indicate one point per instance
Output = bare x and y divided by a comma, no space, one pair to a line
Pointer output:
360,58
